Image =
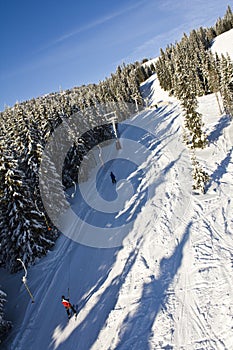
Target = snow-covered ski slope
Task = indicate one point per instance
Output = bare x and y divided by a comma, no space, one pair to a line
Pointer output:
169,284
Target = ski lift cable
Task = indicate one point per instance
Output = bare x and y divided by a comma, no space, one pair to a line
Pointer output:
69,267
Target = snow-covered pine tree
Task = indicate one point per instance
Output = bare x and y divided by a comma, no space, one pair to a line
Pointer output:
165,69
213,74
197,138
200,177
197,54
224,24
226,81
211,34
23,230
5,326
186,92
227,20
203,37
141,73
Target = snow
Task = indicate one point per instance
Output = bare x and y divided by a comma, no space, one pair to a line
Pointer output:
222,44
164,280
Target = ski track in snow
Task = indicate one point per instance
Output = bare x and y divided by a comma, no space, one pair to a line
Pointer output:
169,286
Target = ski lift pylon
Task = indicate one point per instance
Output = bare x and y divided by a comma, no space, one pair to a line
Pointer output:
24,280
118,144
113,120
73,194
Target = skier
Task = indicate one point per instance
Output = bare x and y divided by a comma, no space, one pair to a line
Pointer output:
113,177
68,306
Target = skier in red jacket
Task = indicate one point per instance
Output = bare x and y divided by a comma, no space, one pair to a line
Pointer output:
68,306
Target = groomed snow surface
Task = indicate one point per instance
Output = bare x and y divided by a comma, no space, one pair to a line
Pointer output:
166,283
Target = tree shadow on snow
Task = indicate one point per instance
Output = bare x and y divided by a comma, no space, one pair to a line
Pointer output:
86,333
137,328
220,171
219,127
86,273
147,91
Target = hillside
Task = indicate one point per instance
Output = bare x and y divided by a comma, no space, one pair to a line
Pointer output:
165,282
147,261
221,44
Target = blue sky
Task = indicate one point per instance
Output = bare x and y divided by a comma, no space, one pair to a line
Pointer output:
51,44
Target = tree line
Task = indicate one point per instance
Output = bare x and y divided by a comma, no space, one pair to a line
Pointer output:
188,69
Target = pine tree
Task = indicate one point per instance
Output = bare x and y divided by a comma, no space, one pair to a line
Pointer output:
193,123
226,79
200,177
227,19
211,34
185,92
165,69
23,230
213,74
5,326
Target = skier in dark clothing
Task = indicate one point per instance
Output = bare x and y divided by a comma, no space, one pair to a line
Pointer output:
68,306
113,177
